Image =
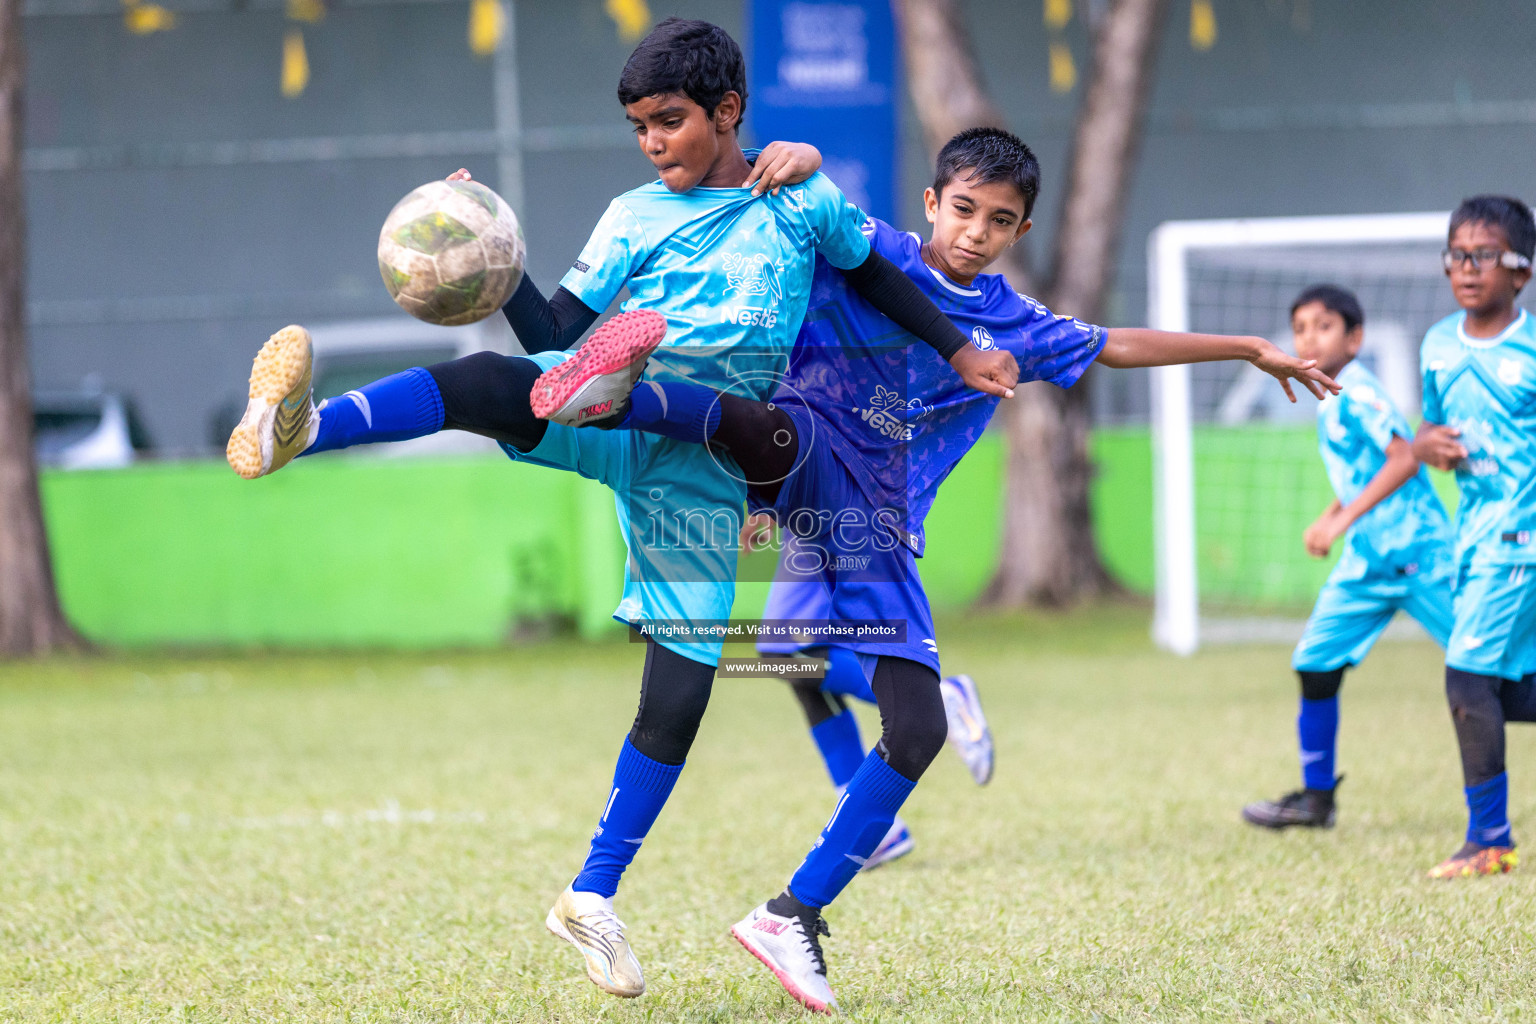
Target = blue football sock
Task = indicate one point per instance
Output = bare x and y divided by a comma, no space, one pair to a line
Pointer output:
640,789
397,408
863,816
1488,812
1317,730
842,751
675,409
846,674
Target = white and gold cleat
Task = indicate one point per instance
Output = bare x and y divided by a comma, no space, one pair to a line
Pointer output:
586,920
280,420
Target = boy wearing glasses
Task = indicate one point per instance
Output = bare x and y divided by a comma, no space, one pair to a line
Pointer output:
1479,370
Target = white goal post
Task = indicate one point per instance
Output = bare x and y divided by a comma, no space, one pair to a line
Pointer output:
1176,620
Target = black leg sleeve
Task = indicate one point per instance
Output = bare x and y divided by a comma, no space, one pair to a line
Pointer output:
674,691
1479,720
913,727
1518,698
1321,685
487,394
817,704
761,437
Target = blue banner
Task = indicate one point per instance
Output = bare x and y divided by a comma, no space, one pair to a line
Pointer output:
824,72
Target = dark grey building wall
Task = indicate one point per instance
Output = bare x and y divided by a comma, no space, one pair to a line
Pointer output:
181,209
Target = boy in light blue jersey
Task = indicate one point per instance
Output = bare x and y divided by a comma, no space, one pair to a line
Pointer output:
723,271
849,455
1479,370
1397,546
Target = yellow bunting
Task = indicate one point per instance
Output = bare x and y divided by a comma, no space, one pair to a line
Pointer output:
1202,24
633,17
295,64
487,21
1057,13
141,19
1063,68
309,11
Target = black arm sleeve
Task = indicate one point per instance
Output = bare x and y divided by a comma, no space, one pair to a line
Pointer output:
543,326
893,293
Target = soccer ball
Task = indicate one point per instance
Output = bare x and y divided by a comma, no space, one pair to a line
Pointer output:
451,252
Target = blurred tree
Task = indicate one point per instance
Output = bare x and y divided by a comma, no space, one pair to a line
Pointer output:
31,621
1048,554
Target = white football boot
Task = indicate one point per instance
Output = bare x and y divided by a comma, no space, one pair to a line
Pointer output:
897,843
969,732
592,387
790,947
586,920
280,419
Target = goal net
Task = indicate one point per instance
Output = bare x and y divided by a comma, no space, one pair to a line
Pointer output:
1237,476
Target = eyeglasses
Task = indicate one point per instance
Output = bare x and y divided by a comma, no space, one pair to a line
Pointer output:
1482,259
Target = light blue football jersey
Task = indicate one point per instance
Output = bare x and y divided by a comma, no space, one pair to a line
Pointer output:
730,272
1409,527
1486,388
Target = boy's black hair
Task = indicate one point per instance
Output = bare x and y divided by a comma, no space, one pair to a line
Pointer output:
1506,213
1338,300
694,58
996,155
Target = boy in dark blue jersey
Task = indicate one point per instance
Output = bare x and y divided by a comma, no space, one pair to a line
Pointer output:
849,455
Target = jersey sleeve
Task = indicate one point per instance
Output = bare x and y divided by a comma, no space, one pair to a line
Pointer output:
1429,407
836,224
1055,347
616,250
1367,413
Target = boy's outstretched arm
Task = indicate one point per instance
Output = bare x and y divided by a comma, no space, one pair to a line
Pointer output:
1436,445
1125,347
1331,525
893,293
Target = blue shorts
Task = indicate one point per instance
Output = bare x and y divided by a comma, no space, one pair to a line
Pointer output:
846,565
1351,612
679,508
1495,632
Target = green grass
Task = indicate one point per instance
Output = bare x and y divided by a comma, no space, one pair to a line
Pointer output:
377,838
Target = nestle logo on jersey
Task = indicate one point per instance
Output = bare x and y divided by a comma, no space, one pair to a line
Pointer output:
751,316
888,415
752,275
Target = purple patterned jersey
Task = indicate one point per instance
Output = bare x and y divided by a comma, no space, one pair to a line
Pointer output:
897,415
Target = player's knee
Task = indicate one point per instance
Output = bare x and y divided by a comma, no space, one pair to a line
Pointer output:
1470,696
1321,685
910,748
913,738
671,707
816,703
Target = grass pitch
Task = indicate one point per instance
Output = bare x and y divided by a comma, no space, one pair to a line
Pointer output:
377,838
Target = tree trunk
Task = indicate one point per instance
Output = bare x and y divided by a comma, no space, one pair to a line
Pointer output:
1048,554
31,621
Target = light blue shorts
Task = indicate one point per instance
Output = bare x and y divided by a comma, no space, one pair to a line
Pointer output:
1352,611
1495,632
679,508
